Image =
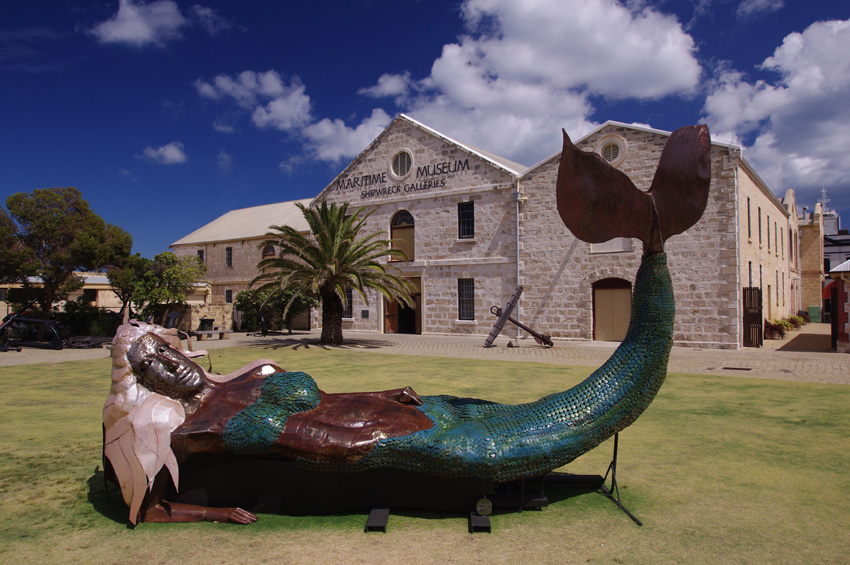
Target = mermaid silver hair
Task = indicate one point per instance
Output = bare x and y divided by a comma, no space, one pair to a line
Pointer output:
137,422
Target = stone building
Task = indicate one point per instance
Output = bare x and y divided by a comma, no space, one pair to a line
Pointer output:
841,309
475,226
230,247
812,261
583,289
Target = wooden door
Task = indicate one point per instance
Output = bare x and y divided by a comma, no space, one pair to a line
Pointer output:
391,317
612,308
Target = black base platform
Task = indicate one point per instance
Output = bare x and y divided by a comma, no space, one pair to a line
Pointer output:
280,487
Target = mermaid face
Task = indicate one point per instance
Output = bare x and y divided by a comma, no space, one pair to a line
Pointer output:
163,369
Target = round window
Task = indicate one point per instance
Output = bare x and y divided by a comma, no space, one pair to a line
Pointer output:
610,151
401,164
612,148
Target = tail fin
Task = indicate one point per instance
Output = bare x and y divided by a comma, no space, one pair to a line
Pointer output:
597,202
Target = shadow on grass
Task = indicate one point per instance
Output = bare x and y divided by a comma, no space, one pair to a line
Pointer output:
295,343
106,499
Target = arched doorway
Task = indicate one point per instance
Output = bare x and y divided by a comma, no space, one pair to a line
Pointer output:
401,229
612,309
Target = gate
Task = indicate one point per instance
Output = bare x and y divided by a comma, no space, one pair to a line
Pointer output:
753,323
833,305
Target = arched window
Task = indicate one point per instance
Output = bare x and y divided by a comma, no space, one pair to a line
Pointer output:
268,251
401,230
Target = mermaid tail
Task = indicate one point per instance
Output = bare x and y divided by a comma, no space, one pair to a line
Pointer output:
476,438
597,202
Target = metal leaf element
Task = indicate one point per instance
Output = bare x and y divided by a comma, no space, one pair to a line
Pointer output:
139,445
682,180
596,201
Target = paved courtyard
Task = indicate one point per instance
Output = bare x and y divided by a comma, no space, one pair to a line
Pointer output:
802,356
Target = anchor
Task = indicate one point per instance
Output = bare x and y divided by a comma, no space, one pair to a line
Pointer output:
505,316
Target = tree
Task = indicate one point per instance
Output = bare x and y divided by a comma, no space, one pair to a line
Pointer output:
332,261
168,281
15,259
273,308
56,234
126,278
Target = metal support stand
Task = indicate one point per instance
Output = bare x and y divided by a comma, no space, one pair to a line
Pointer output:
478,523
378,519
613,493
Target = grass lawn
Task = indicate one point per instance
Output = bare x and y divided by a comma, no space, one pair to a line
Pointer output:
720,470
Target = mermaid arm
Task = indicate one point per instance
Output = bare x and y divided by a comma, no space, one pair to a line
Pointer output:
404,395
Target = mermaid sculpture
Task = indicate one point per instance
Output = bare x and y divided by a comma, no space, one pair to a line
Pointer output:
164,410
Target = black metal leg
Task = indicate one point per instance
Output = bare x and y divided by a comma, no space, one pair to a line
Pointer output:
613,493
378,519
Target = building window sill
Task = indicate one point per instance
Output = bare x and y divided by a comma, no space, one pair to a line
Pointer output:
466,322
465,240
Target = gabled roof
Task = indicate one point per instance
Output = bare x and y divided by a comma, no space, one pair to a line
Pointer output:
511,167
842,268
247,223
744,164
622,125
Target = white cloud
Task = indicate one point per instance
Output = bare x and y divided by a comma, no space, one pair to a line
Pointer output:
222,126
603,47
225,161
169,154
521,68
332,140
288,111
391,85
524,66
271,102
138,24
246,88
209,19
750,8
796,123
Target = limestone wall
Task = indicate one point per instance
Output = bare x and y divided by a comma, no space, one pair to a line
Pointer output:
811,260
765,257
559,270
440,257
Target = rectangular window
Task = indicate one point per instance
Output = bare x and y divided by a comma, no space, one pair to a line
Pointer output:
775,238
466,220
348,307
616,245
759,225
749,220
89,295
201,255
466,299
228,296
768,233
777,288
228,256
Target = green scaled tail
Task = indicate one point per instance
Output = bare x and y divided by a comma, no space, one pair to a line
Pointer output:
476,438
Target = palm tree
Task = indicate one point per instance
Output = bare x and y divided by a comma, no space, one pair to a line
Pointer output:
332,261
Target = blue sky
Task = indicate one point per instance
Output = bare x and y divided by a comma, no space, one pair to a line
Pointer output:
168,114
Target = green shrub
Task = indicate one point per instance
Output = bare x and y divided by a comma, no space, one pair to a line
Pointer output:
81,318
773,330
